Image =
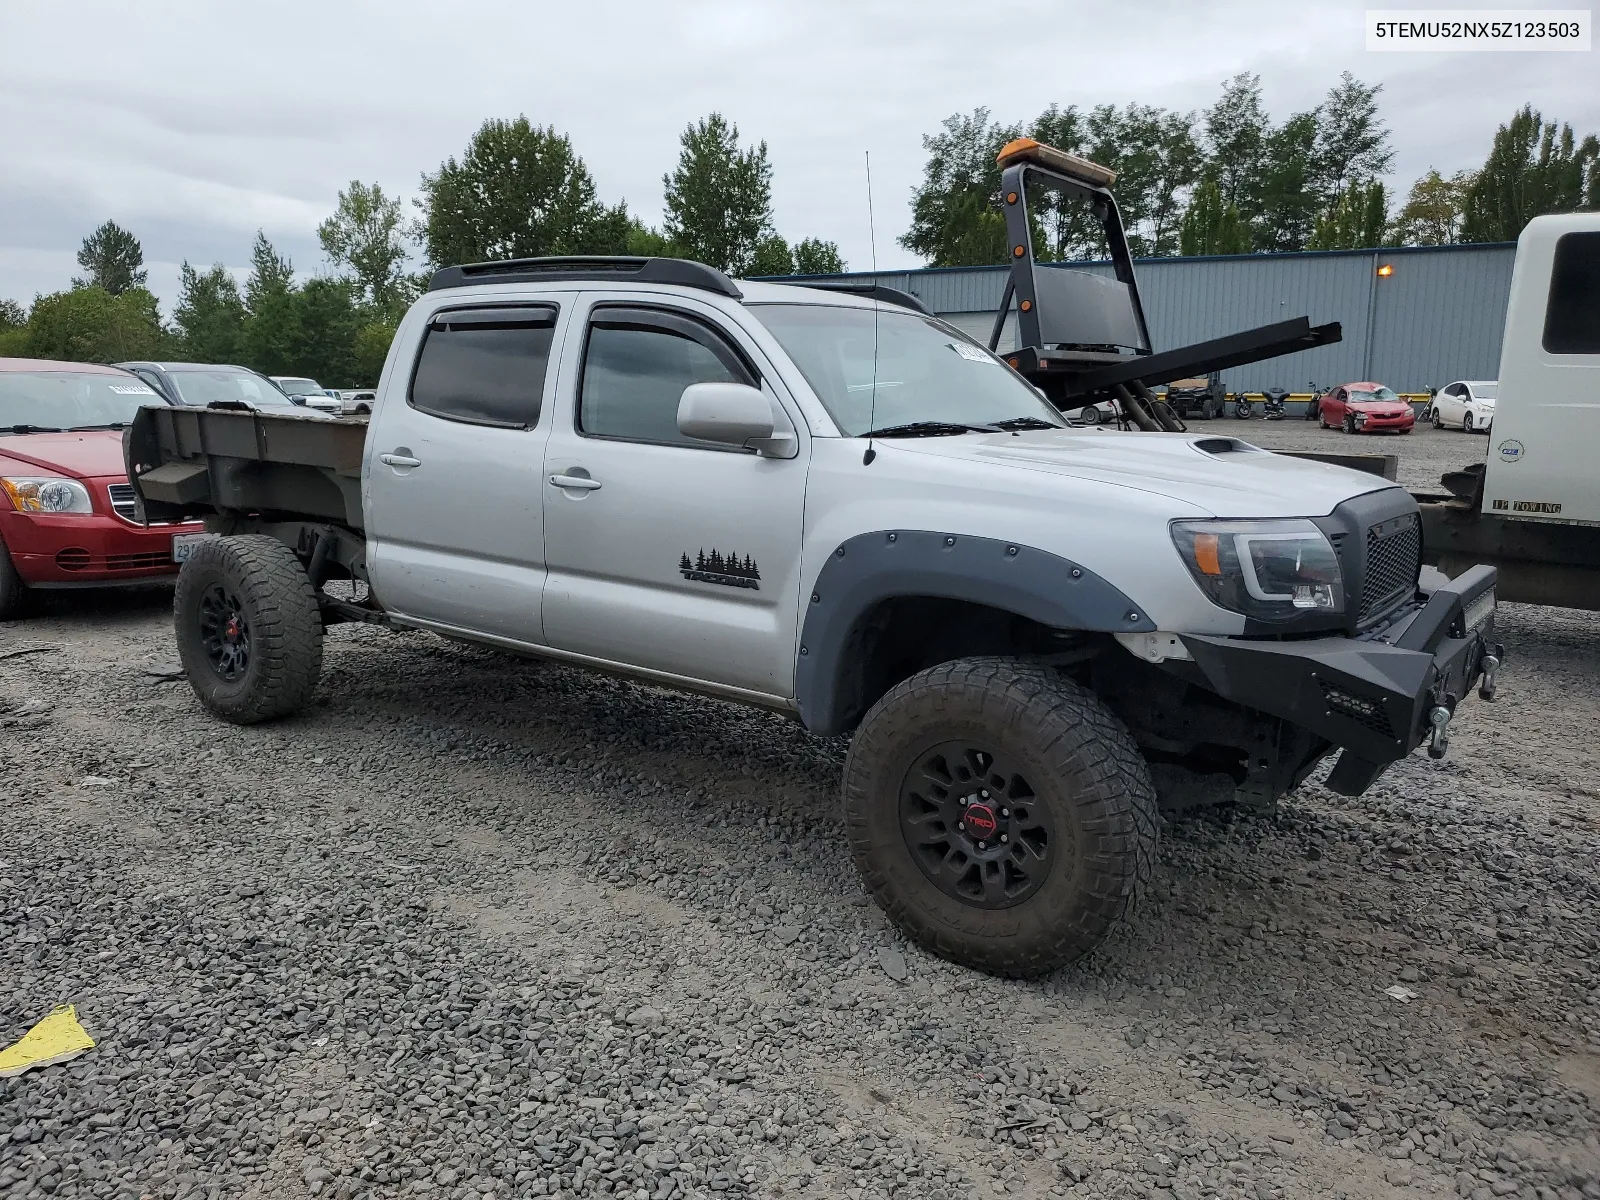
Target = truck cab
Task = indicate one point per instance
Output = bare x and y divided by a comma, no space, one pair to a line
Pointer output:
1532,508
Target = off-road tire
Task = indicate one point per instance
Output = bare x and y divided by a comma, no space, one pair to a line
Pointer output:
284,621
1082,763
13,592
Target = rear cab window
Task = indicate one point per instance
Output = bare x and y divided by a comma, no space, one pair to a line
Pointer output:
485,365
1572,313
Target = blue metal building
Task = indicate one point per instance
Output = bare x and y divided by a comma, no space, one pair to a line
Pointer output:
1437,316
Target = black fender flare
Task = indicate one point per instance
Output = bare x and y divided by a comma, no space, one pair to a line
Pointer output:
871,568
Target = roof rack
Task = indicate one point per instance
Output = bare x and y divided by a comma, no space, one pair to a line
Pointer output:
679,271
869,291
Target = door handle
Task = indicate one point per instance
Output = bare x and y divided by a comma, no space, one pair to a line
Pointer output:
399,460
575,483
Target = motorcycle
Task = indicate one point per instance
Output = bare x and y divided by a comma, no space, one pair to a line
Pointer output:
1314,409
1243,408
1272,402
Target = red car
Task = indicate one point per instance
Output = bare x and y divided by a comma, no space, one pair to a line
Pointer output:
68,517
1365,408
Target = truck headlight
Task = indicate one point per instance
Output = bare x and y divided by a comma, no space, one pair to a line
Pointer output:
1268,570
49,494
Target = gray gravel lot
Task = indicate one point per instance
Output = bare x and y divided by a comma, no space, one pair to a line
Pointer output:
479,927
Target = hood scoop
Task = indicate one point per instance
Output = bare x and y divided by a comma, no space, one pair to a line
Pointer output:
1217,446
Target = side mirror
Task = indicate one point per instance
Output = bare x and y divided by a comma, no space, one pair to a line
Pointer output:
734,414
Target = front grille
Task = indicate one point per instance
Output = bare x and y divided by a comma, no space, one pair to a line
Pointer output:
124,502
1363,711
1394,556
137,562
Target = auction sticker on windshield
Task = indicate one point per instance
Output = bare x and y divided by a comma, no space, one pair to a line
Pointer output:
183,545
973,354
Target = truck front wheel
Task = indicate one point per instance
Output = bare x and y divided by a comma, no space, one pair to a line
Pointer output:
249,631
1001,814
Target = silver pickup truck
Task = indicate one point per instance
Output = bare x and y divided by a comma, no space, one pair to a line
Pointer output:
838,507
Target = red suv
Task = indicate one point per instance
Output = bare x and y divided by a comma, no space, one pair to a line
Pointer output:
1365,408
68,517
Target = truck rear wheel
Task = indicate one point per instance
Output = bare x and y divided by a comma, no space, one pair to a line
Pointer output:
248,627
1001,814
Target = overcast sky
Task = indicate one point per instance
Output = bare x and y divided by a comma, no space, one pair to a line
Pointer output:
195,124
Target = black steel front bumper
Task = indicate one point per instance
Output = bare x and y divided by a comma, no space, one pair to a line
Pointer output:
1376,695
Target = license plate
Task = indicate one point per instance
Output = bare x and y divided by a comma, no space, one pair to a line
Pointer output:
183,545
1479,611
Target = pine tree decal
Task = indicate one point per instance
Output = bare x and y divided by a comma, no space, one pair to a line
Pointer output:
684,564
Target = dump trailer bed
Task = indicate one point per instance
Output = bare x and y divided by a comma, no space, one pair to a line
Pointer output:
200,462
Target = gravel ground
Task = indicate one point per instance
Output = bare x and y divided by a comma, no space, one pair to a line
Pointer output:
478,927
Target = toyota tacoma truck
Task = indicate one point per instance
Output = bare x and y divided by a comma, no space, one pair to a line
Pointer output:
830,504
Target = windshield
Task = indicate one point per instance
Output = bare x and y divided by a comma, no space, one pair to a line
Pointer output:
1381,396
69,399
301,387
925,371
207,387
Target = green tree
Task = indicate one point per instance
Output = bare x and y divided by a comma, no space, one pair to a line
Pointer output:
644,242
1357,222
1533,168
719,199
518,191
209,314
955,215
1211,225
1432,213
13,329
112,259
371,348
1288,197
1157,161
812,256
327,322
270,339
89,324
772,257
364,236
1352,139
1236,133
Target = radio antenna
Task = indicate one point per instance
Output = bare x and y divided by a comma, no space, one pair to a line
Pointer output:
872,241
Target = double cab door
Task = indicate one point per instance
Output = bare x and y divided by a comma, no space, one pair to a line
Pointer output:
526,480
665,552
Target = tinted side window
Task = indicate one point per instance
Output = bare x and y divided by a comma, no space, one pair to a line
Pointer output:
635,368
485,366
1572,315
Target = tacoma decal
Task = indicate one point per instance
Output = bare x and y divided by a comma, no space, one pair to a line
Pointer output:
729,570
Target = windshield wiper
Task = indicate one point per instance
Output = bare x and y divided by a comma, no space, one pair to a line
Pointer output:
107,425
930,429
1025,423
31,429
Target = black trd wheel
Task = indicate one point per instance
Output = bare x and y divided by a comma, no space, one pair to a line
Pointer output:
1000,814
248,628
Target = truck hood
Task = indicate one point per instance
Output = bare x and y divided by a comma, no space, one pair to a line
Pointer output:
1210,476
87,455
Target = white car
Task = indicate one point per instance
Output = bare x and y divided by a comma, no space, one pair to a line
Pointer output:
1468,405
308,391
